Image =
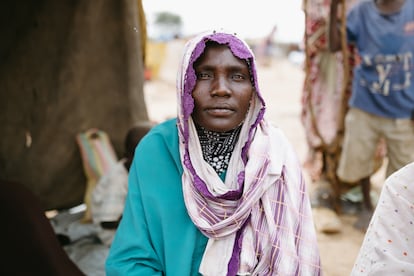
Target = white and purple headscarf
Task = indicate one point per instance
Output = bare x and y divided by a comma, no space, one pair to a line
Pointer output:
258,220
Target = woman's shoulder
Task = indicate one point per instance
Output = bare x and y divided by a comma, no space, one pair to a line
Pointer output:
165,131
161,142
166,127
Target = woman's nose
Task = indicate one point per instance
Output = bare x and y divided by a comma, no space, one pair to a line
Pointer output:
221,87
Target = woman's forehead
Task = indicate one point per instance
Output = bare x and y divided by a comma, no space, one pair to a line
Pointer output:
221,52
239,48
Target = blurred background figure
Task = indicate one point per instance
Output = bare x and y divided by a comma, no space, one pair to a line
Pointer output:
265,49
381,103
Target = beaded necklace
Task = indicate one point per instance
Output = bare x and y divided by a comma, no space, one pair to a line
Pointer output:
217,147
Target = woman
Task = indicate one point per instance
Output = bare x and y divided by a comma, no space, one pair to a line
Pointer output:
217,191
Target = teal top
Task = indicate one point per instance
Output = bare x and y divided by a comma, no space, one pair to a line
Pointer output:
156,236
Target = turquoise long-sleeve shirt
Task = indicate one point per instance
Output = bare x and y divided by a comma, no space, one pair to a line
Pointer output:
156,236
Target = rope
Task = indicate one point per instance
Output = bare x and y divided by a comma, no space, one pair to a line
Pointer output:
332,159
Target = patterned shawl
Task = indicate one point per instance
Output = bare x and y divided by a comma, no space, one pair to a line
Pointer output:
388,248
258,220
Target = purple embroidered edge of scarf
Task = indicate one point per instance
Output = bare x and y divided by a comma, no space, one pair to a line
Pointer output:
240,50
233,265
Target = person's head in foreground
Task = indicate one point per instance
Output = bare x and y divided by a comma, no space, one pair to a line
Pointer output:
217,191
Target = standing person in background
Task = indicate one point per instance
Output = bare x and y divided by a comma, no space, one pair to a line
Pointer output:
265,48
388,246
218,190
382,100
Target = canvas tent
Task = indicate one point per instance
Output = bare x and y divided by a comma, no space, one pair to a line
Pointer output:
66,66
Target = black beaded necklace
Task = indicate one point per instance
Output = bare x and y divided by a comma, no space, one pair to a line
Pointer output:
217,147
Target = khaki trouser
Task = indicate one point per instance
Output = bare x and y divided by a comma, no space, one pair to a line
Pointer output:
362,134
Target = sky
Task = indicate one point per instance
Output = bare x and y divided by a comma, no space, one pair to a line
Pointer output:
249,19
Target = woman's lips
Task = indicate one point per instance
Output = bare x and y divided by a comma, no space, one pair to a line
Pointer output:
219,111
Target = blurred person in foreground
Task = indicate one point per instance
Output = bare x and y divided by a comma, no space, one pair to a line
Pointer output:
29,244
388,246
381,105
218,190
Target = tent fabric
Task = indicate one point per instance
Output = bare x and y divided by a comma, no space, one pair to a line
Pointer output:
67,66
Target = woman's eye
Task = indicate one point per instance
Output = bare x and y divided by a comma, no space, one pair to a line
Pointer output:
203,76
238,77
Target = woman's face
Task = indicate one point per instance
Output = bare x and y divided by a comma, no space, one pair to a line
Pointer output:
223,90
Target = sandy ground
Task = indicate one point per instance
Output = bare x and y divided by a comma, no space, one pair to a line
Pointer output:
281,85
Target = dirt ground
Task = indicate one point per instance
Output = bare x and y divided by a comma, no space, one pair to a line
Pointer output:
281,85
